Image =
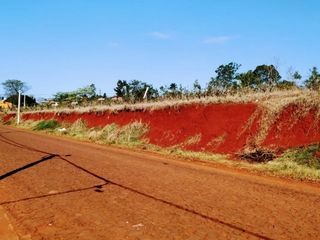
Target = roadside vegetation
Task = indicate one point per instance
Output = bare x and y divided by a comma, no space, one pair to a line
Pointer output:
46,125
299,163
226,84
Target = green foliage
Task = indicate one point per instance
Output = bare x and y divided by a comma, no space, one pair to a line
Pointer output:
13,86
122,89
296,76
77,95
46,125
134,90
30,101
197,88
248,80
267,76
313,82
225,79
286,85
172,91
305,156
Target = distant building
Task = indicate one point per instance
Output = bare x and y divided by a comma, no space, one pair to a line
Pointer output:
5,105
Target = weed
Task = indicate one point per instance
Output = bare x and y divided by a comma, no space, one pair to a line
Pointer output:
304,156
46,125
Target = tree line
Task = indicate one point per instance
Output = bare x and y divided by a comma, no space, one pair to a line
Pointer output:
227,80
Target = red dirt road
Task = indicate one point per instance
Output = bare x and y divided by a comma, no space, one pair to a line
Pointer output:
54,188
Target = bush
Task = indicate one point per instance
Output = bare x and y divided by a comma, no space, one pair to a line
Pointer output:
46,125
305,156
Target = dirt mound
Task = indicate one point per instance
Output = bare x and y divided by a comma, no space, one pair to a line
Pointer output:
222,128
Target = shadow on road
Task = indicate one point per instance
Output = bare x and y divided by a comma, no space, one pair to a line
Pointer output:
96,188
8,174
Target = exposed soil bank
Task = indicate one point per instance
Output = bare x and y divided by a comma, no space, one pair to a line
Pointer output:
294,127
222,128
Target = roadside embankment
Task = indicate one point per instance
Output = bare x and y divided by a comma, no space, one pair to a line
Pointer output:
220,128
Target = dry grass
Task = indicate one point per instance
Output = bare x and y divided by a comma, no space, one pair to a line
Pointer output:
271,100
130,134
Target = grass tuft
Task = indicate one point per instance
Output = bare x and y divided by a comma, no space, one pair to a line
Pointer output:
78,129
303,156
131,133
46,125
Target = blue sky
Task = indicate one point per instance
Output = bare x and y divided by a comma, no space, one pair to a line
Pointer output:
61,45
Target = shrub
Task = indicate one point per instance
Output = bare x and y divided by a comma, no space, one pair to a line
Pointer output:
46,125
305,156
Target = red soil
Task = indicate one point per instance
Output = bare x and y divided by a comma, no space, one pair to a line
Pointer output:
294,128
222,128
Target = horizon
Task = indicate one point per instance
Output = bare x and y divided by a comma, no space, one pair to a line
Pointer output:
61,46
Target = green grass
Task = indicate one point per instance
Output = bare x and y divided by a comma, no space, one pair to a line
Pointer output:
303,156
46,125
300,163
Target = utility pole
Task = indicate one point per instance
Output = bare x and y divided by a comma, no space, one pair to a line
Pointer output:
145,94
19,103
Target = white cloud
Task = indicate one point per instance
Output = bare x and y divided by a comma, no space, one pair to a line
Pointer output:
160,35
218,39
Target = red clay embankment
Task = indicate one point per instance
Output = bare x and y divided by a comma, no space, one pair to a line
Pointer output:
221,128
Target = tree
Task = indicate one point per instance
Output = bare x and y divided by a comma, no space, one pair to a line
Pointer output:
138,88
225,79
163,90
296,76
247,79
30,101
293,76
122,89
197,88
313,82
172,91
134,90
286,85
77,95
13,86
87,91
266,76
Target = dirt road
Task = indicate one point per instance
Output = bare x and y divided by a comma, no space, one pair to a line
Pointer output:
53,188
